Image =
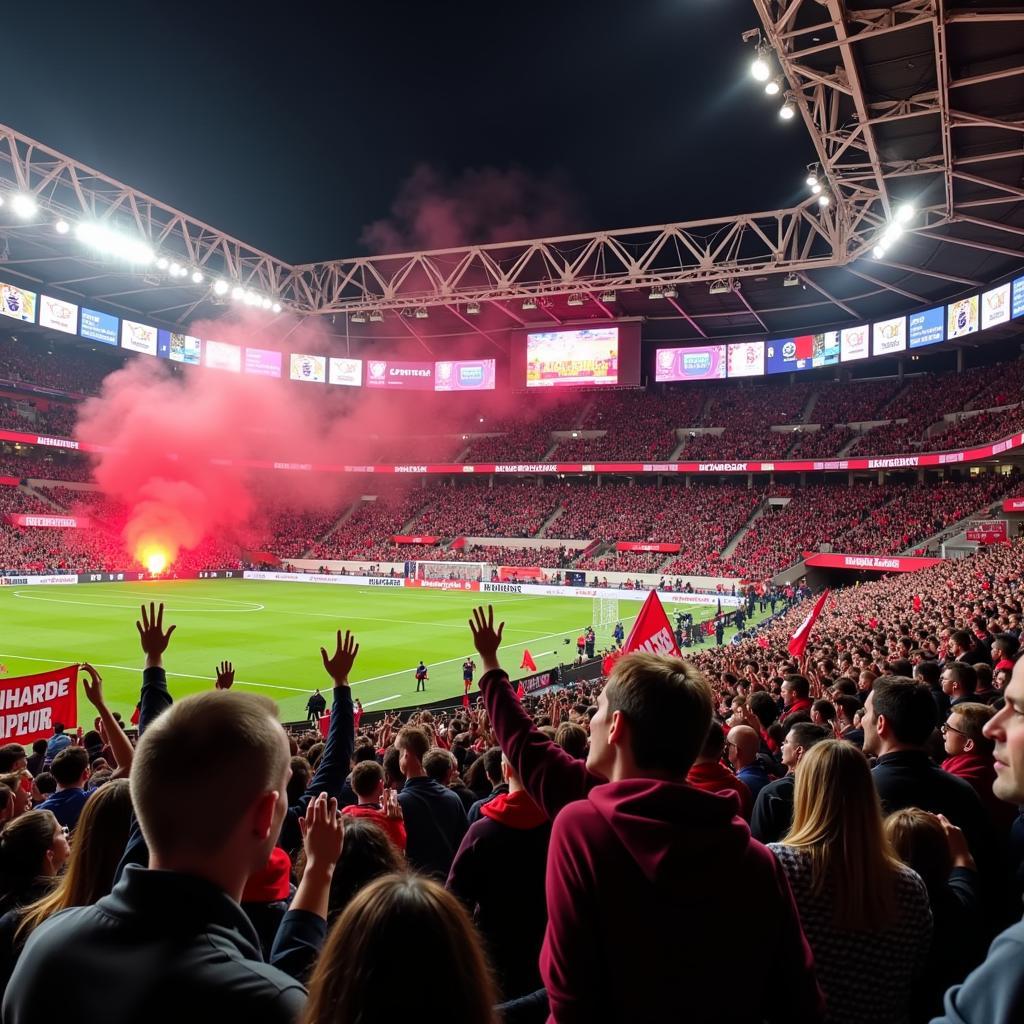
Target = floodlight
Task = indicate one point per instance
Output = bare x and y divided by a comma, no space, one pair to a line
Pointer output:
816,189
878,252
101,238
237,292
719,288
787,111
276,307
62,227
823,199
529,304
197,277
657,292
760,68
609,297
162,263
220,287
905,213
575,300
358,317
812,180
773,88
670,293
473,308
421,313
790,281
24,205
266,303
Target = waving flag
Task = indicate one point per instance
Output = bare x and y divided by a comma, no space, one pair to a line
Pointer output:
652,632
528,662
798,641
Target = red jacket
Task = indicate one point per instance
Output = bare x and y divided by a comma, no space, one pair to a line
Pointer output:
800,704
639,918
716,778
980,772
394,828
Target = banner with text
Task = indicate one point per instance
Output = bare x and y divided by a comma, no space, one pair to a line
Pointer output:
413,539
29,705
668,549
987,531
52,522
875,563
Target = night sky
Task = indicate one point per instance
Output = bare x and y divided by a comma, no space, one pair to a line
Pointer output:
293,127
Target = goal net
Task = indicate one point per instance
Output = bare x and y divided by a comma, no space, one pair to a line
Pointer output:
448,570
606,613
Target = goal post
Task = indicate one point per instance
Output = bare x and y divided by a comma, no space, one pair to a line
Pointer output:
448,571
605,613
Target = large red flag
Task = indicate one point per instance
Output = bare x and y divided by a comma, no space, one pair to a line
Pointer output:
29,705
652,632
528,662
798,641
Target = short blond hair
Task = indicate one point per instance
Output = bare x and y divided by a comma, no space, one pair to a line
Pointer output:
200,767
668,704
973,717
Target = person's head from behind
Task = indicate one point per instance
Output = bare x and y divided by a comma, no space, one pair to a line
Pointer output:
412,744
366,854
32,846
823,712
899,714
12,758
652,718
354,977
392,772
210,784
44,785
1006,730
367,783
961,642
71,768
714,744
742,746
919,840
764,708
837,821
799,740
440,765
928,672
963,731
492,765
572,738
58,728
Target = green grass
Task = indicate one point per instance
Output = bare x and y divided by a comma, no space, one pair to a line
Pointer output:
273,633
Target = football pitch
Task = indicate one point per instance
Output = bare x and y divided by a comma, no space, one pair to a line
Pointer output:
273,633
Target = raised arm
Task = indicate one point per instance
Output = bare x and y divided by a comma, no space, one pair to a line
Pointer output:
552,777
155,698
120,745
336,759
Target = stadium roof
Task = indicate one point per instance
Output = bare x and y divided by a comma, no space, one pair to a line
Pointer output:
913,102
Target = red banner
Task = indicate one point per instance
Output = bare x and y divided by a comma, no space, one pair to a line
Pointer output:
52,522
652,632
987,531
9,481
624,545
413,539
1013,505
798,641
443,584
29,705
877,563
519,572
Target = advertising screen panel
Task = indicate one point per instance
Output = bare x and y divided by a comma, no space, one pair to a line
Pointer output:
889,336
138,337
745,359
101,327
572,358
312,369
58,315
927,327
854,343
705,362
262,362
18,303
393,373
962,317
221,355
464,375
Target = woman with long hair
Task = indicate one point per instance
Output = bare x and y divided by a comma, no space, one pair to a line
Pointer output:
865,914
100,839
354,980
33,849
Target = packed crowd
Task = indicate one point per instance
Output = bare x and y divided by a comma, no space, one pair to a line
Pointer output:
854,805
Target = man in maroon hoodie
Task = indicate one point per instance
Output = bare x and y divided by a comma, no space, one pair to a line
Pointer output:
638,919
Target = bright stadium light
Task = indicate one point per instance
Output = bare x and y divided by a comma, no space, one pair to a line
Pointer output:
473,308
812,180
905,213
773,88
760,68
376,316
2,200
162,263
421,313
878,252
670,293
197,277
266,303
101,238
609,297
787,111
276,308
816,189
823,199
24,205
62,227
529,304
220,287
237,293
358,317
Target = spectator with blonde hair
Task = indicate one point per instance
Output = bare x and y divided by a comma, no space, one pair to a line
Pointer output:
866,915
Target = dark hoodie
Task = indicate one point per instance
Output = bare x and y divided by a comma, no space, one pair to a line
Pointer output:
498,874
652,886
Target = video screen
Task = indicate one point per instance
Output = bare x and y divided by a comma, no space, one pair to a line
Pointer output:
308,368
17,303
101,327
221,355
746,359
786,355
396,373
927,327
889,336
58,315
962,317
706,362
995,306
262,362
571,358
179,348
346,372
1018,298
138,337
464,375
854,343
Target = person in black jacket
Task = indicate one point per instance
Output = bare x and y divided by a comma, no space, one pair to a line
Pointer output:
315,707
435,820
209,784
492,762
498,874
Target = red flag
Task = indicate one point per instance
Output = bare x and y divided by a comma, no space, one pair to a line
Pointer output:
135,715
465,701
652,632
528,661
325,723
34,703
798,641
520,691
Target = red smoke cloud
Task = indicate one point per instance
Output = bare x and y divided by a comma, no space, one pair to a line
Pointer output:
482,205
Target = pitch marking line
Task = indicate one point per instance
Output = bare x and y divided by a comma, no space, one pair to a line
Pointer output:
170,675
253,607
